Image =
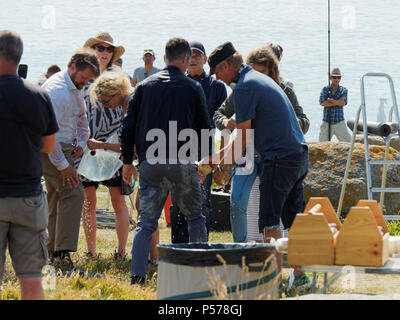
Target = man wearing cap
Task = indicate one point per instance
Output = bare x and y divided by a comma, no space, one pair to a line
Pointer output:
263,110
333,99
142,73
215,92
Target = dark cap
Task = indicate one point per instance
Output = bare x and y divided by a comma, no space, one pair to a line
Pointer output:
221,53
195,45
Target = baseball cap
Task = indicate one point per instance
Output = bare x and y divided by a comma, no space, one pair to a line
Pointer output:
195,45
151,51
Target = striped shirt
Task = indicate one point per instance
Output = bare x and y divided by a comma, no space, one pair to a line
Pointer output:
103,122
336,113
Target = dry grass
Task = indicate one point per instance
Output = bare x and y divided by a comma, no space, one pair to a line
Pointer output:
102,278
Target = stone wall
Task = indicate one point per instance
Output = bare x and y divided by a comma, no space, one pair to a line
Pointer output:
326,172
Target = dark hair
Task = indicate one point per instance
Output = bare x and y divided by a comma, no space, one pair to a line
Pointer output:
276,49
11,46
177,48
53,69
85,59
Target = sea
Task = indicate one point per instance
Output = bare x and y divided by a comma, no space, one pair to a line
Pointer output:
357,36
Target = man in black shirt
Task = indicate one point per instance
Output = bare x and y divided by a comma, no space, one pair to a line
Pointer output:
27,127
165,107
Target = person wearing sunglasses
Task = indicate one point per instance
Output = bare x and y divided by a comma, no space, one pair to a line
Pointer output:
105,120
142,73
333,98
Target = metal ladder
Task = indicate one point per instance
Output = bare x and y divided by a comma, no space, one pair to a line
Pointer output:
368,161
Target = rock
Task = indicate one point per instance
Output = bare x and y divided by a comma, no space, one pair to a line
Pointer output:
376,140
326,172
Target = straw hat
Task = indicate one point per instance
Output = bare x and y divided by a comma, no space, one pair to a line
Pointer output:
105,37
336,73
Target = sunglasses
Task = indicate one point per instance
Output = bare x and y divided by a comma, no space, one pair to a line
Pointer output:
336,77
107,102
101,48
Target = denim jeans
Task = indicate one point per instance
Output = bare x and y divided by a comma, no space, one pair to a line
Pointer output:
156,181
241,187
179,228
281,190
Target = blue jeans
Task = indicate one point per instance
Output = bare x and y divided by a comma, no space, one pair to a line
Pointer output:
156,181
281,190
179,228
241,187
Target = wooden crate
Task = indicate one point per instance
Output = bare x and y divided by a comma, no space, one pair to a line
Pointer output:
326,209
359,241
310,240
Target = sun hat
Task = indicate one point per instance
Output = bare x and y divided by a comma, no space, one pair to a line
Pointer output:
105,37
336,73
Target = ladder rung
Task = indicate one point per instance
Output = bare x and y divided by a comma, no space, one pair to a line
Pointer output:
385,189
392,162
391,217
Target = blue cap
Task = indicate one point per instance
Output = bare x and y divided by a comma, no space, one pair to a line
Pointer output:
197,46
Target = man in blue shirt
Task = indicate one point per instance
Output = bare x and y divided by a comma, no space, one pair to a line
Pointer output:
215,93
160,103
333,99
263,109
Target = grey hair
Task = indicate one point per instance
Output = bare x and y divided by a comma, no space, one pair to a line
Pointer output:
11,46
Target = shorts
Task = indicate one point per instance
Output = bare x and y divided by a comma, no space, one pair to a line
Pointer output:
113,182
23,229
281,190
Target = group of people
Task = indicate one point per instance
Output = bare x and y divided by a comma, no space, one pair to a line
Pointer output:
47,130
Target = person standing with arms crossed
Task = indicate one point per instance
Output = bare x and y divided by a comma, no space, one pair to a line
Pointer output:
27,127
333,99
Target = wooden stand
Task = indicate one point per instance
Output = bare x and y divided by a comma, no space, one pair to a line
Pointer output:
310,240
359,241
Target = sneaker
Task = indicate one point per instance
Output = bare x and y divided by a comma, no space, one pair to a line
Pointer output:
119,256
152,262
302,282
137,280
89,254
63,258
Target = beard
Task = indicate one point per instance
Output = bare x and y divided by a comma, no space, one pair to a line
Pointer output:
78,85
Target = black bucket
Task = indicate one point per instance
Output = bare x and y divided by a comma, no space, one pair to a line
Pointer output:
217,270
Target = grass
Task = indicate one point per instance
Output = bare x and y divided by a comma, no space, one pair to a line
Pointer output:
102,278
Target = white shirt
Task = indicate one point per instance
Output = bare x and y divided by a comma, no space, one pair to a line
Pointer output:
70,109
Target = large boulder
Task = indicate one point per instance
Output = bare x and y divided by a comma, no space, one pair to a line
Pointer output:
326,172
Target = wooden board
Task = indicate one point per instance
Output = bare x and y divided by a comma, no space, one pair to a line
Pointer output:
359,241
310,241
376,211
326,209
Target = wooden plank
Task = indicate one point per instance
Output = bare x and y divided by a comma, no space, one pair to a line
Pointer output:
326,209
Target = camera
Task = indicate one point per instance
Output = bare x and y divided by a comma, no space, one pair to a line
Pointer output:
23,70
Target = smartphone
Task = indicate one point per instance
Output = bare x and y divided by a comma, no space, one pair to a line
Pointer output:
23,70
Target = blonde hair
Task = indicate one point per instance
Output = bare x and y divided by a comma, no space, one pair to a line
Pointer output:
108,84
264,56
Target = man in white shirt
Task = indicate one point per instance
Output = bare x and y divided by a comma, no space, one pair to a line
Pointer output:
65,194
